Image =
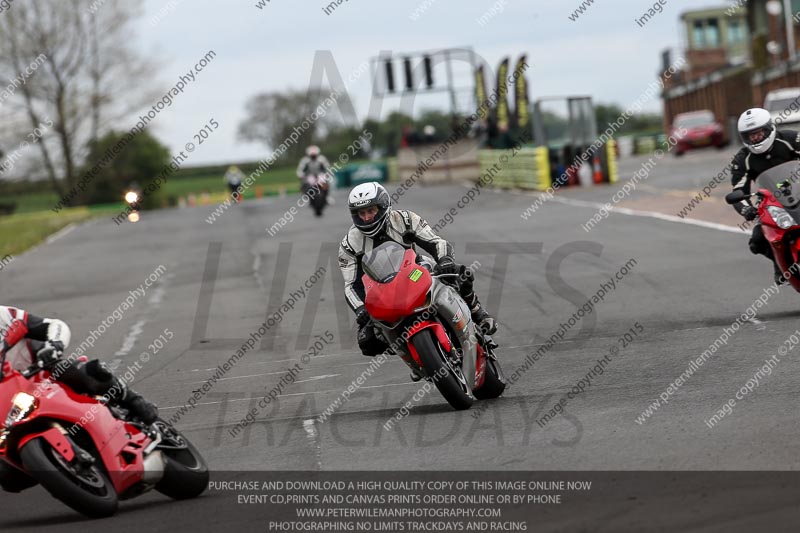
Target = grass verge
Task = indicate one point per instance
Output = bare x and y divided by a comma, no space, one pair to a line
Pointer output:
22,231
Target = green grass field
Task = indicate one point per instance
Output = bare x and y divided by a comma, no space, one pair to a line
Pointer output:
181,185
21,231
33,221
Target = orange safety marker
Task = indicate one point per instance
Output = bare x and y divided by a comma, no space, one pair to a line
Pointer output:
598,169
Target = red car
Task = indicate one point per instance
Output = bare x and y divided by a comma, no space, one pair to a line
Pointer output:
701,130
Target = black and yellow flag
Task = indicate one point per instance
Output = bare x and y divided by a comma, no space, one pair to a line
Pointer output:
502,96
480,94
521,102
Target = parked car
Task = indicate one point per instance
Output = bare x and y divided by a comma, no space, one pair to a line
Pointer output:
784,106
702,130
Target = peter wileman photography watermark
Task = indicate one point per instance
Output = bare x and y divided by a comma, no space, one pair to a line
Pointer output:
5,261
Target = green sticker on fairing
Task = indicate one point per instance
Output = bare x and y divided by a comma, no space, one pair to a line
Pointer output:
415,275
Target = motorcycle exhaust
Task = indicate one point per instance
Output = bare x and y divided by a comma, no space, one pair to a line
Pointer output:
153,467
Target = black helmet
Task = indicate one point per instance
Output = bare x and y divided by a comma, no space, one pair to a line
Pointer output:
369,195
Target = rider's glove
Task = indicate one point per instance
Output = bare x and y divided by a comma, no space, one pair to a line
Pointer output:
446,265
366,337
750,213
49,353
362,317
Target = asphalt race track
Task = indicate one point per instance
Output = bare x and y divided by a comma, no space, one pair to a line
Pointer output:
686,283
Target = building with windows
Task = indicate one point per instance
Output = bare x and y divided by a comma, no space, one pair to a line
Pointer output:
715,38
778,27
736,56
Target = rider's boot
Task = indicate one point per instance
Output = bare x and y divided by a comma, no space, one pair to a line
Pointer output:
119,394
139,407
482,319
485,322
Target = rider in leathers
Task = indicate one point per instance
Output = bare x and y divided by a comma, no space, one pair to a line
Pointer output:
41,342
764,148
313,164
375,222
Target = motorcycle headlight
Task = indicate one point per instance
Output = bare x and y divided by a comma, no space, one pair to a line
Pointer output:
22,406
783,219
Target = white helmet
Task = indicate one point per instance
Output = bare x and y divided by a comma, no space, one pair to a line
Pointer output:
757,130
312,151
370,194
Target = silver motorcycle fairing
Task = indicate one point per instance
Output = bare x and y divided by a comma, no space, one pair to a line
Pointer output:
447,306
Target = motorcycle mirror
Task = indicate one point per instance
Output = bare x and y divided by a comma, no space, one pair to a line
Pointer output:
735,197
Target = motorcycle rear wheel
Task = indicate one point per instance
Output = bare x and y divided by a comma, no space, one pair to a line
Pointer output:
318,202
493,384
185,472
88,491
448,379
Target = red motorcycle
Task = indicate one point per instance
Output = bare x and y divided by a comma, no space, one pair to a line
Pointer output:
427,323
779,212
86,453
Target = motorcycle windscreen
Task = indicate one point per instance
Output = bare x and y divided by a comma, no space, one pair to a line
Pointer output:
400,291
783,182
384,262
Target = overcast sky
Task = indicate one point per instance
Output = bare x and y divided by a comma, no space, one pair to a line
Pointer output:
604,53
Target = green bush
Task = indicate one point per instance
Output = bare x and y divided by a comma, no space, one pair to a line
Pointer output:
139,161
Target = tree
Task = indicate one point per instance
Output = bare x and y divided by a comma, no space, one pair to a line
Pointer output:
277,117
87,77
137,164
387,135
606,114
555,125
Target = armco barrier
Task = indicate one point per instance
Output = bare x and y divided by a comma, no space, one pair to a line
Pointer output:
528,168
439,163
531,169
611,168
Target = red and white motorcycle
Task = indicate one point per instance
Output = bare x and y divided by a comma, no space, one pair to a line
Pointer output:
86,453
430,326
315,188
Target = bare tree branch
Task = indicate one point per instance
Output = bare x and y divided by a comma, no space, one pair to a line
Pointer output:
90,77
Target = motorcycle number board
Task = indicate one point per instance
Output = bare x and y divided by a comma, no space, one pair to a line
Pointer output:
415,275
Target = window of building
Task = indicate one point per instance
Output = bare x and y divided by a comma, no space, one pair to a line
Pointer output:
705,33
737,31
698,34
712,33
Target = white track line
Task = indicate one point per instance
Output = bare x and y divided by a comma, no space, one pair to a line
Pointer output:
269,374
649,214
240,377
337,391
130,340
66,230
317,378
247,364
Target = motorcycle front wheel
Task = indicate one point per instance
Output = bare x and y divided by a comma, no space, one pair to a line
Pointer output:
86,489
447,377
